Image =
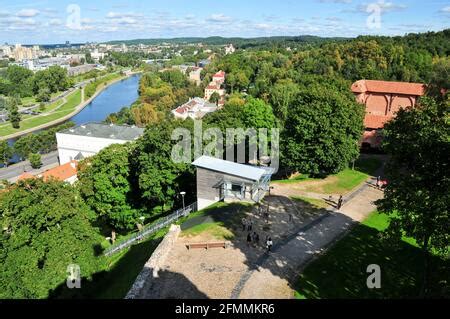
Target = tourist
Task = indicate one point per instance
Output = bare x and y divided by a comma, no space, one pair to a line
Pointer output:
290,218
249,239
249,225
340,202
256,238
244,223
269,244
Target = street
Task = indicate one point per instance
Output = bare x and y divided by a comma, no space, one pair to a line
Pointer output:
12,172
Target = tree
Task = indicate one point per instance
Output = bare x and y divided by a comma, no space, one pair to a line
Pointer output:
322,130
281,97
5,152
13,111
417,196
158,176
19,78
104,183
43,95
26,144
215,98
45,228
258,114
35,160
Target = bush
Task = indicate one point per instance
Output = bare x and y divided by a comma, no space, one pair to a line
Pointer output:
35,160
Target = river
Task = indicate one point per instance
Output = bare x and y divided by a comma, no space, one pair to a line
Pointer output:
110,100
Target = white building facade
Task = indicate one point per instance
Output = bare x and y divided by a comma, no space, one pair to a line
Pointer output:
89,139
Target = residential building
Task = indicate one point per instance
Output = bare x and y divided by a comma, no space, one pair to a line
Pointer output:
65,173
195,108
229,49
214,88
97,56
219,78
195,75
219,180
21,53
383,99
86,140
80,69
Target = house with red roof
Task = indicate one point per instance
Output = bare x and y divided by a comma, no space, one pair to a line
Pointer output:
215,86
383,99
65,173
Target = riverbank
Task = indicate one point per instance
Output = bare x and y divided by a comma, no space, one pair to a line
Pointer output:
77,109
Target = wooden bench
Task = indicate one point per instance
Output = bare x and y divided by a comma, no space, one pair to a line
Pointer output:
206,245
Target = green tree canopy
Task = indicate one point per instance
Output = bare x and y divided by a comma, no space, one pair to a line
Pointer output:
417,196
104,183
322,130
45,228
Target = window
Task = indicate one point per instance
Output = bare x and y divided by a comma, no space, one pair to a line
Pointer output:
236,188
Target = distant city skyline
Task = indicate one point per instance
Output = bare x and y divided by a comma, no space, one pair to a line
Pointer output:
51,22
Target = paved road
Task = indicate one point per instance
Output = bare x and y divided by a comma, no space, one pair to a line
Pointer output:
11,173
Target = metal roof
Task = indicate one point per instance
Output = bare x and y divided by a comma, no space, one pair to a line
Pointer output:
110,131
230,168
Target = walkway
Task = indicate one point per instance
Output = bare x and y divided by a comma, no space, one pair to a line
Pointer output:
275,271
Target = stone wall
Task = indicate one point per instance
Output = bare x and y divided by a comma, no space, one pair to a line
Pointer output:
151,268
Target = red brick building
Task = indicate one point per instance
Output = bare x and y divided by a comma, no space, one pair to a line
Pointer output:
382,100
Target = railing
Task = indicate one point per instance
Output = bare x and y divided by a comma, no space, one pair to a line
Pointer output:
151,229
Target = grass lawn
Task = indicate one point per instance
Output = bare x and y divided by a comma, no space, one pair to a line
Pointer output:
73,100
341,271
339,183
218,222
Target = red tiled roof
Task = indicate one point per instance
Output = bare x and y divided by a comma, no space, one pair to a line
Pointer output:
220,74
25,176
416,89
61,172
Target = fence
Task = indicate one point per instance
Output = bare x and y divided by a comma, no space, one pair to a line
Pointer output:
151,229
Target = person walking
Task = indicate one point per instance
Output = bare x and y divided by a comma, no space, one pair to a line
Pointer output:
256,239
244,223
269,244
290,218
250,225
340,201
249,239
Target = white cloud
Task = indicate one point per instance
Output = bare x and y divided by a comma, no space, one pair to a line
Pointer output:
55,22
445,9
27,13
219,18
4,14
118,15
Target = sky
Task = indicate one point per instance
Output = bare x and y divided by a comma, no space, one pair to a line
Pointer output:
58,21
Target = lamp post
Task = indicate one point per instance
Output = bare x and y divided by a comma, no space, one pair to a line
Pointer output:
182,195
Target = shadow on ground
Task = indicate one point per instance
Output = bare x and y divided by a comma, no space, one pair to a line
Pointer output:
341,272
115,282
